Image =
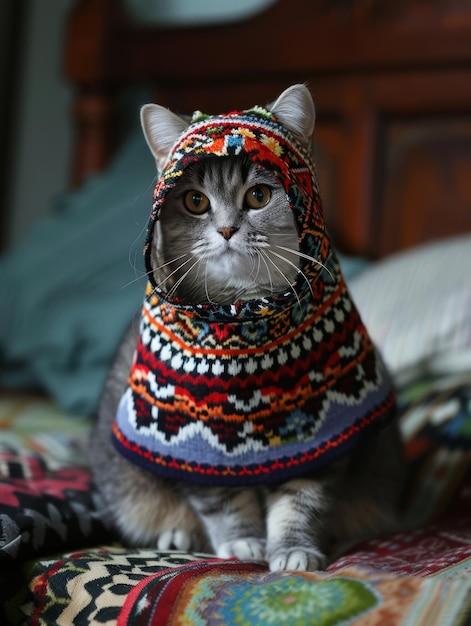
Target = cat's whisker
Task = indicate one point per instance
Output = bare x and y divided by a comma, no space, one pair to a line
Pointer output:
221,295
136,280
149,272
206,289
255,269
164,280
257,259
305,256
308,282
262,258
159,267
282,274
184,276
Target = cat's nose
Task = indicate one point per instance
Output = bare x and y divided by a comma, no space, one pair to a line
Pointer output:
227,232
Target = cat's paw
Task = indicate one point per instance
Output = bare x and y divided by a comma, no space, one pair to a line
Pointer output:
248,548
297,559
176,539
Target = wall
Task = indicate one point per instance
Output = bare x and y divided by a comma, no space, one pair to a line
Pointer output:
41,147
41,158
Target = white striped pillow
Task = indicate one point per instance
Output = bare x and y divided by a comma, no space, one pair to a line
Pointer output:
417,307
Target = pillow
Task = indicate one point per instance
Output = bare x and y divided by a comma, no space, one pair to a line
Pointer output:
417,308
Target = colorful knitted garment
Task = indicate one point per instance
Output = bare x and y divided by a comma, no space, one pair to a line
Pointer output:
262,390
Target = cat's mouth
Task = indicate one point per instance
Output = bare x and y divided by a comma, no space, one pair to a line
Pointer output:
249,275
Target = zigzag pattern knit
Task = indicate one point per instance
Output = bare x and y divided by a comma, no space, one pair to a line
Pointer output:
262,390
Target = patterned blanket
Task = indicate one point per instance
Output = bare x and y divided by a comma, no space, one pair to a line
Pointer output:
60,564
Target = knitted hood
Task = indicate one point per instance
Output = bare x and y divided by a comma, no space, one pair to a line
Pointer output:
262,390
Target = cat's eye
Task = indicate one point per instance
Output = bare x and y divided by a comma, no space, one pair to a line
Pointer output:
257,197
196,202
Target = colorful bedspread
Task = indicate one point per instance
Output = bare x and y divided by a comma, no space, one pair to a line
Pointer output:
60,564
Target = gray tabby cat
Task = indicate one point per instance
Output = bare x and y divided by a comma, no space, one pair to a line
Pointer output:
230,235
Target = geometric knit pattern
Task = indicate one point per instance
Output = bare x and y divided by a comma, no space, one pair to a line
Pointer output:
257,391
147,587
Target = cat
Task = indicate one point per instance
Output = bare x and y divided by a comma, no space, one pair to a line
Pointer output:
228,236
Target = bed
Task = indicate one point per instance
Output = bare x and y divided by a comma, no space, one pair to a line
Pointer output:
392,86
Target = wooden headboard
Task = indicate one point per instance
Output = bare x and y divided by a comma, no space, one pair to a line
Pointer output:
391,82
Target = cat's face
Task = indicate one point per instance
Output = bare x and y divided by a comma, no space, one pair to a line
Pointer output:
226,231
227,234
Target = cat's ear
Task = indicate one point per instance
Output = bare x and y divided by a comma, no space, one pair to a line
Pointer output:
161,129
295,109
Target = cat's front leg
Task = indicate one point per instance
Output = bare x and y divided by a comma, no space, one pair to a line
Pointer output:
296,532
233,519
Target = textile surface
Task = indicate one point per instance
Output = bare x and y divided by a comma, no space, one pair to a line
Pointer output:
47,501
421,575
140,588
